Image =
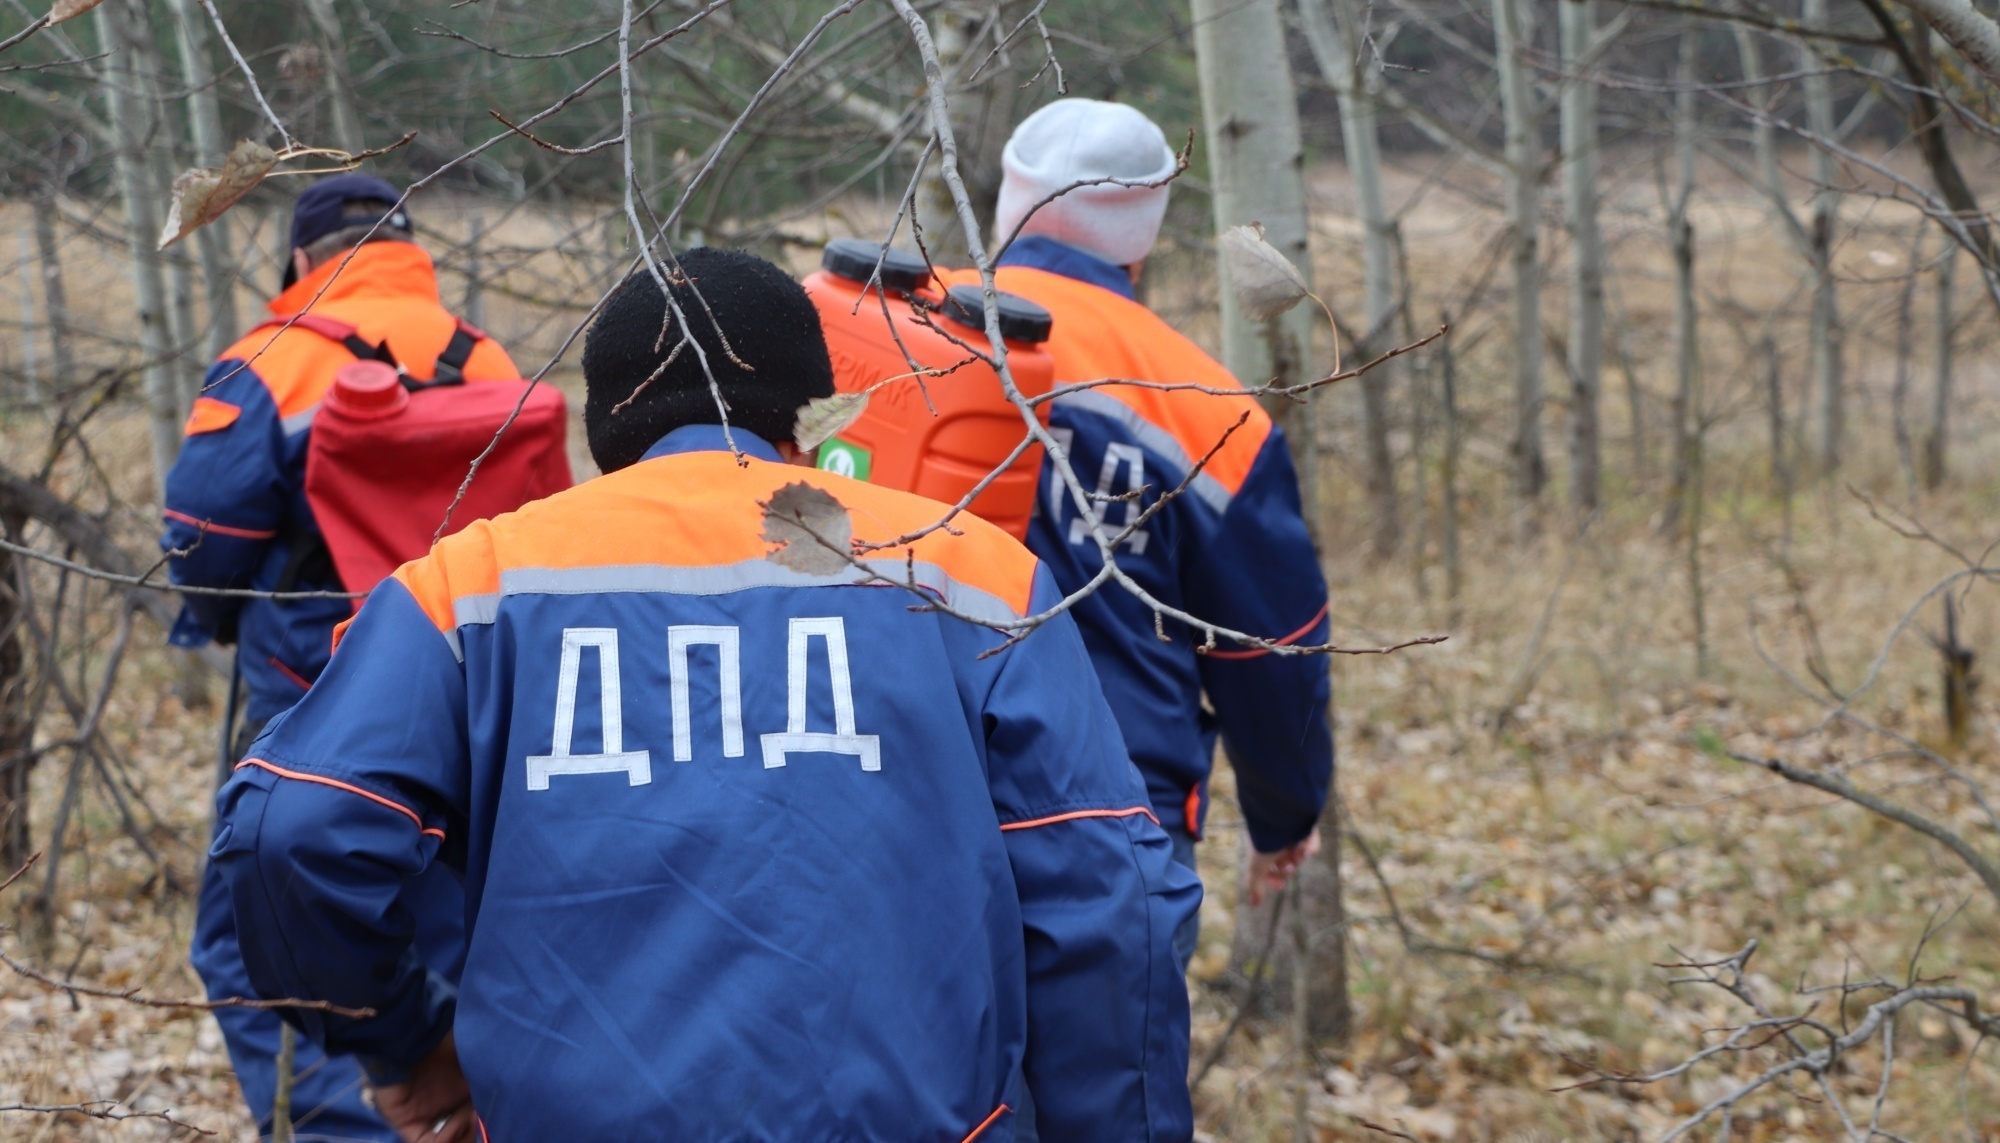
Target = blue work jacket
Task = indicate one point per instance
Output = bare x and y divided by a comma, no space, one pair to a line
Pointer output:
750,853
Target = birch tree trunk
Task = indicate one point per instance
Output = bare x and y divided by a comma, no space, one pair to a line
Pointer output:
1257,168
339,85
1586,273
122,33
218,261
981,119
1824,350
1333,47
1941,352
1256,165
1512,33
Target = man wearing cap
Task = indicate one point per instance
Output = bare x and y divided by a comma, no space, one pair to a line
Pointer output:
758,844
356,285
1231,548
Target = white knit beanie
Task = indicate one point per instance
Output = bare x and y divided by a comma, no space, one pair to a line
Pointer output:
1075,140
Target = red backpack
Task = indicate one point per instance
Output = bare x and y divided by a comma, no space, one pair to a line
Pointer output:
388,456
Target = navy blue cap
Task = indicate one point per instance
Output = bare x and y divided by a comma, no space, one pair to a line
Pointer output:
317,213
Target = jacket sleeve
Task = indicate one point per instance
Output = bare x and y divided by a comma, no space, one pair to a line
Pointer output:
347,796
1260,575
1100,899
225,497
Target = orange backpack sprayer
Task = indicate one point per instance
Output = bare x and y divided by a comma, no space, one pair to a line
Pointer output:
944,446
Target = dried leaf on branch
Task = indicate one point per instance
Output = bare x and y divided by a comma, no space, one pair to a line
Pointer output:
70,9
203,194
812,527
823,418
1266,282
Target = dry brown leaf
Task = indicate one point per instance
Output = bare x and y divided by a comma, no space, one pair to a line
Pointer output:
812,528
70,9
822,418
202,194
1266,282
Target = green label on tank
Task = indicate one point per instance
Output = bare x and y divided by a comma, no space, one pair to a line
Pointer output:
844,459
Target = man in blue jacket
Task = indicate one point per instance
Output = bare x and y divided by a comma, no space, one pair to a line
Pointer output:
1230,547
237,516
758,844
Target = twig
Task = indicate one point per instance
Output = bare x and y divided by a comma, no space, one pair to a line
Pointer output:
132,996
103,1109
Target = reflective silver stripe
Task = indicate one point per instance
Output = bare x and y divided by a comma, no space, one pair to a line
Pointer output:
722,579
470,609
1152,437
300,421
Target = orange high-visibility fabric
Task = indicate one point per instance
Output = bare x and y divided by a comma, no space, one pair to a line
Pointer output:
617,520
210,415
1099,335
388,291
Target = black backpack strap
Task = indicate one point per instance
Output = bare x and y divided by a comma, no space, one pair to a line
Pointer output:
450,368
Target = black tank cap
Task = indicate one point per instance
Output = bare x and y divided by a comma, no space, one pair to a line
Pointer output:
1020,319
855,258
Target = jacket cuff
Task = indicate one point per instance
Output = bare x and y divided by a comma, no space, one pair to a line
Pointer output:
405,1034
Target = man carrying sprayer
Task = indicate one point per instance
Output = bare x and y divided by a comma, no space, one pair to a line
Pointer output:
758,844
237,516
1231,549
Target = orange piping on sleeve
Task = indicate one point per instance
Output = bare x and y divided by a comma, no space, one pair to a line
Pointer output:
987,1122
219,529
404,810
1191,811
1075,814
483,1137
1256,652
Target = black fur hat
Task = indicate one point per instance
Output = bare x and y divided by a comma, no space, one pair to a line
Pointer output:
764,316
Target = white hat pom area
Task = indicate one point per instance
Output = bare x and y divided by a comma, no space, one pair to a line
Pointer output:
1073,141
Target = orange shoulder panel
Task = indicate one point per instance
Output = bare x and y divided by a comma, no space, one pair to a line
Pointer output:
1098,335
700,510
210,415
296,365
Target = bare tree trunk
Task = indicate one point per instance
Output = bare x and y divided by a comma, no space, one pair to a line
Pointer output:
1512,35
1774,402
1824,350
1448,471
474,308
122,32
55,298
1586,278
16,733
1941,352
218,261
1333,45
1257,164
339,84
31,366
182,324
1688,411
1681,235
980,109
1899,393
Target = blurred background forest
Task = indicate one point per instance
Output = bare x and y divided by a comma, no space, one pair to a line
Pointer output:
1700,483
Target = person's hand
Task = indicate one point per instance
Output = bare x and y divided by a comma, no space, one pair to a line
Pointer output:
1267,872
434,1106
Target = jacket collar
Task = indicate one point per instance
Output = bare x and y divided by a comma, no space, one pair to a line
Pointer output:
1040,252
709,438
379,269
